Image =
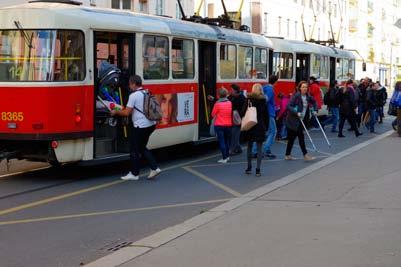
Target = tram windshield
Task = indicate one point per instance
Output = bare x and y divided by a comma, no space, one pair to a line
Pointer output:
41,55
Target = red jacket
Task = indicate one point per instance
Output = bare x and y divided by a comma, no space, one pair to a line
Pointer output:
316,93
222,112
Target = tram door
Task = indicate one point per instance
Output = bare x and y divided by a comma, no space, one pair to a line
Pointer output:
332,69
112,134
207,85
302,68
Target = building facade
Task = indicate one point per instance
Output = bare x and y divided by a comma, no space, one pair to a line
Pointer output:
155,7
365,26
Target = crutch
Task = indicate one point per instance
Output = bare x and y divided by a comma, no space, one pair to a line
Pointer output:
321,128
306,130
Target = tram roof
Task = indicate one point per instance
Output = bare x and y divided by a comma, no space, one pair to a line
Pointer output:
296,46
64,16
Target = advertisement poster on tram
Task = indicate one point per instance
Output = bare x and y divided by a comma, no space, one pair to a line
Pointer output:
176,108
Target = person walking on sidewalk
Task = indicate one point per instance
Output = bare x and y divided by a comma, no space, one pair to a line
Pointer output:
222,113
347,108
299,108
396,101
331,99
258,132
371,105
141,131
237,99
272,130
381,98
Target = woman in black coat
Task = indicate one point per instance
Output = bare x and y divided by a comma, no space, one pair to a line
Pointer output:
258,132
347,109
299,108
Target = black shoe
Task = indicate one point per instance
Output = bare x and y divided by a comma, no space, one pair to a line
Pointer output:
341,135
257,174
350,129
358,134
248,170
270,156
254,156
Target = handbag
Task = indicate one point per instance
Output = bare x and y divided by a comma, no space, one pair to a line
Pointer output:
392,109
236,118
250,119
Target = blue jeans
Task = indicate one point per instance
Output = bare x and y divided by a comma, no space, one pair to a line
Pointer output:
372,120
283,132
223,136
270,136
361,110
335,116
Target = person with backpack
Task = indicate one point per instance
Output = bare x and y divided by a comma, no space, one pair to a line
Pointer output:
145,113
332,100
381,98
222,114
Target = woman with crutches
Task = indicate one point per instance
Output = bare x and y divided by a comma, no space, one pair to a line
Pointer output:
299,109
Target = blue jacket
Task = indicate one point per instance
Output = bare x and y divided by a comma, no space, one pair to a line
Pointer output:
396,98
269,93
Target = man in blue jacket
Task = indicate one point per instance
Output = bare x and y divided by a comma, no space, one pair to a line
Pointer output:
272,130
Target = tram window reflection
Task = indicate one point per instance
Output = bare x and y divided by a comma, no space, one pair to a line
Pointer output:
261,63
245,62
182,53
155,57
228,61
42,55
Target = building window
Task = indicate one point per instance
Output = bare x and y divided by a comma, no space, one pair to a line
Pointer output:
121,4
159,7
296,29
288,28
279,25
324,6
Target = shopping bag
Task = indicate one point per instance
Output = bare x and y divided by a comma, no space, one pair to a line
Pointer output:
250,119
392,109
212,131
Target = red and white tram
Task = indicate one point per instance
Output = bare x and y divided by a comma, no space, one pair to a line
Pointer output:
49,59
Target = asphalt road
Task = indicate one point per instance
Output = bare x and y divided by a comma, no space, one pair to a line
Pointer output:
74,215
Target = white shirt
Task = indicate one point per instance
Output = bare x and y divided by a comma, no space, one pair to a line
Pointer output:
135,102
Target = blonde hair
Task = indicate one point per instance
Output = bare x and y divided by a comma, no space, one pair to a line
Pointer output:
257,89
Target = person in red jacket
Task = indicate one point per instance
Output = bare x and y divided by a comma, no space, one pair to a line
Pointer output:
223,121
316,93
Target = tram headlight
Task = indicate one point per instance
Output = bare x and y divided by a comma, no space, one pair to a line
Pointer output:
78,118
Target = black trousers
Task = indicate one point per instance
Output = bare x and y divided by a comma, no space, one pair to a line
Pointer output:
139,140
291,138
351,120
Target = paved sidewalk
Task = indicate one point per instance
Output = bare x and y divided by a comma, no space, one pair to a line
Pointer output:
347,213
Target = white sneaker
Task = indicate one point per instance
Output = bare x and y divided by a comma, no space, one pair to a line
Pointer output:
154,173
223,160
130,176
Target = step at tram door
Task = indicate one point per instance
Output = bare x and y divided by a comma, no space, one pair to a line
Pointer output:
207,86
112,134
302,68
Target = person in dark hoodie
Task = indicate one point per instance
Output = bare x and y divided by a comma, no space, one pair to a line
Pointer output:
258,132
347,108
381,98
237,99
371,105
299,108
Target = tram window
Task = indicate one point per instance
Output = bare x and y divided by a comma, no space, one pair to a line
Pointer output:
315,65
339,68
276,64
351,69
228,56
182,53
155,57
286,66
261,63
345,69
245,62
42,55
324,68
